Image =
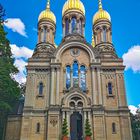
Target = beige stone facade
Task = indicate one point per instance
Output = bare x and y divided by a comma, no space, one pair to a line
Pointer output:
54,93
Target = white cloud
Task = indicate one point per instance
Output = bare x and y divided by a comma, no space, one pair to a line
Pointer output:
16,25
21,76
21,54
132,59
133,109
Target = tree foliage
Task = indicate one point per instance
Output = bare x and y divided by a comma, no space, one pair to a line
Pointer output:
88,128
65,128
135,124
9,88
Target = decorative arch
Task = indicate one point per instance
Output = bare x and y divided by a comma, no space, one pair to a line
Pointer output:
69,98
69,45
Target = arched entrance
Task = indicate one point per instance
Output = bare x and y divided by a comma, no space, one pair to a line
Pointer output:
76,127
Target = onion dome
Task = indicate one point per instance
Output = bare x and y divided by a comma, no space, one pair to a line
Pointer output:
73,5
101,14
47,14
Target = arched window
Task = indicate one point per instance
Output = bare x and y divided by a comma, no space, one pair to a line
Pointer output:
45,34
68,77
67,27
41,88
113,128
104,34
73,24
110,88
75,74
83,78
72,104
38,127
80,104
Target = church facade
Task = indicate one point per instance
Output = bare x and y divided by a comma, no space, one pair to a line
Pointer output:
75,81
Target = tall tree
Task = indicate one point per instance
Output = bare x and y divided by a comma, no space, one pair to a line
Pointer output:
9,88
135,124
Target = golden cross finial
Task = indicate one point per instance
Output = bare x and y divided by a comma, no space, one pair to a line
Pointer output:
100,5
48,4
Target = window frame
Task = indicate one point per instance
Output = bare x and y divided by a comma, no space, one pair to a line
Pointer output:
114,131
108,89
38,127
40,93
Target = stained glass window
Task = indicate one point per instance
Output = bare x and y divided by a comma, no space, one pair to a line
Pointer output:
40,88
83,78
68,77
110,88
73,24
75,74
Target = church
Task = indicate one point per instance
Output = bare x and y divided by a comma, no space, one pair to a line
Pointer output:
74,81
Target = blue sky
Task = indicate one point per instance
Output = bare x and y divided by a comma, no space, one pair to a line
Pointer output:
125,16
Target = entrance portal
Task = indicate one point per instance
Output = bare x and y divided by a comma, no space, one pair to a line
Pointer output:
76,127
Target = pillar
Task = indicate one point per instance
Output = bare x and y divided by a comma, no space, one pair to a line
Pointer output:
52,86
57,85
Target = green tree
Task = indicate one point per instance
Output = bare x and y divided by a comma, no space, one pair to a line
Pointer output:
65,128
88,128
9,88
135,124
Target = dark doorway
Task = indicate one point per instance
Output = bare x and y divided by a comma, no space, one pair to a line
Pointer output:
76,128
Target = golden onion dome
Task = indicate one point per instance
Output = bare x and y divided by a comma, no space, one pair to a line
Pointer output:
75,5
47,14
101,14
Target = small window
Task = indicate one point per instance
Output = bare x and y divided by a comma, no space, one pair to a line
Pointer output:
41,88
80,104
110,88
72,104
38,128
113,128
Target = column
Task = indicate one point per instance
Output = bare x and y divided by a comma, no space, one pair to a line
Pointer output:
84,118
39,35
99,86
63,29
92,80
94,94
57,85
71,78
64,79
77,26
79,73
70,27
41,39
52,86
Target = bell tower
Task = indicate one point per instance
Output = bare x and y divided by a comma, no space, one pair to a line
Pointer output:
73,18
102,26
46,25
